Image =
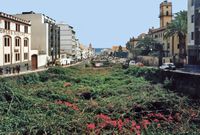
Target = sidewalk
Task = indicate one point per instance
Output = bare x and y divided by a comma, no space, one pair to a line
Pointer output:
34,71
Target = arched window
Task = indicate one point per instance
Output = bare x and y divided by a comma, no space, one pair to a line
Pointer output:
26,42
17,41
167,13
7,41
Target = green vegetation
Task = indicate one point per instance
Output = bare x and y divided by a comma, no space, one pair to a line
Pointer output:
79,100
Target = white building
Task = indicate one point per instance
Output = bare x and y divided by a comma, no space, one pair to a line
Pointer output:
45,38
15,45
67,39
78,50
87,52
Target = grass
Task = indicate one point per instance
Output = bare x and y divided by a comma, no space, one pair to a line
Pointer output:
97,101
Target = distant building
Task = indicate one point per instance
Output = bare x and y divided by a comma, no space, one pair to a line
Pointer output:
15,43
78,50
116,49
67,39
133,41
87,52
194,32
45,38
119,51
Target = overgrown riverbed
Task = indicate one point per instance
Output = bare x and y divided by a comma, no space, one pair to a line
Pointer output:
94,101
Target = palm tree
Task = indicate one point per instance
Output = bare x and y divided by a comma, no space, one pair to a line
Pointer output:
178,27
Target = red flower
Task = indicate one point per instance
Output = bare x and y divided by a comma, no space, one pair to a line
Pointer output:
58,102
158,125
120,124
113,123
145,123
68,104
104,117
138,127
102,125
74,107
156,120
127,121
170,118
133,124
91,126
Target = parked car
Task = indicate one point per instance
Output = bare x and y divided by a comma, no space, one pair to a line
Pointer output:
132,63
139,64
169,66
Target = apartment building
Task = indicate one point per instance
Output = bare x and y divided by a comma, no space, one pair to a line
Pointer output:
67,40
15,44
194,32
45,38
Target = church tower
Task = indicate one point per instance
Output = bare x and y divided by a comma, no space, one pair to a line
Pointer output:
165,13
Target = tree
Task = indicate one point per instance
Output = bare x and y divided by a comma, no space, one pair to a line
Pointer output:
149,46
178,27
120,49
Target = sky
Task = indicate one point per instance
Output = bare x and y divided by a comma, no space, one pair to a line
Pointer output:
103,23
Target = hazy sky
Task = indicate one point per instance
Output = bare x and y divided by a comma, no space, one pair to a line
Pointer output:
101,22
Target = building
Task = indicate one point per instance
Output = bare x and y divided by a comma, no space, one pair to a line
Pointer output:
193,32
15,43
78,50
170,45
68,43
133,41
45,38
87,52
116,48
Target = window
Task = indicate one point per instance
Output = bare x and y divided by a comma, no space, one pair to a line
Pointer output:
7,41
167,13
192,3
25,42
7,25
178,46
168,46
192,19
192,35
17,56
18,27
7,58
25,56
17,42
25,29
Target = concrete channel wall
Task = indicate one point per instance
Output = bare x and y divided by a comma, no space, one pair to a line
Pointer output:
183,82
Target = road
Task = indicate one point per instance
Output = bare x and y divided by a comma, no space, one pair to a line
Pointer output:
34,71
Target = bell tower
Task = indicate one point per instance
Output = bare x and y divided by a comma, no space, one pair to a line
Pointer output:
165,13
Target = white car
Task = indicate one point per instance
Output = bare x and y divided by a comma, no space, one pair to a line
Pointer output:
132,63
169,66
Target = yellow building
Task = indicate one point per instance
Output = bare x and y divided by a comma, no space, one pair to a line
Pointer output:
116,49
170,45
133,41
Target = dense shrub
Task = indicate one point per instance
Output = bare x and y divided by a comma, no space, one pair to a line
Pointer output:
151,74
28,79
99,101
57,70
